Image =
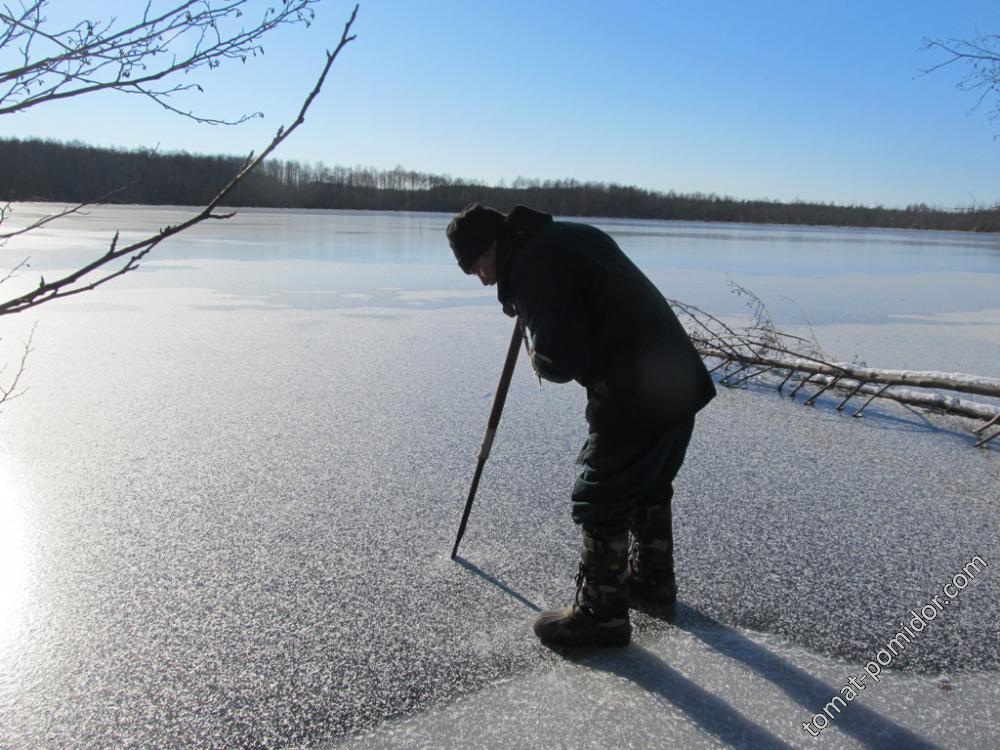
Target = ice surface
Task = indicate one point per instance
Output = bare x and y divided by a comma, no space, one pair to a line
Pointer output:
227,510
704,685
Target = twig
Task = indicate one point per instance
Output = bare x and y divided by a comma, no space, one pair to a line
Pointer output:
871,398
983,441
745,378
13,272
10,393
840,406
812,399
721,364
801,385
138,58
737,371
983,428
787,378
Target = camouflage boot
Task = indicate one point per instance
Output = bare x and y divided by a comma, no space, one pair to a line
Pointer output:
599,616
651,564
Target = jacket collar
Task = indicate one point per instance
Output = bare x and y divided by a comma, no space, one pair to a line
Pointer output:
521,224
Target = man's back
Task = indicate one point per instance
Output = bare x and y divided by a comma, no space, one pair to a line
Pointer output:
596,318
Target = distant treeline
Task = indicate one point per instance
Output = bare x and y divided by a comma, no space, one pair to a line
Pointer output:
74,172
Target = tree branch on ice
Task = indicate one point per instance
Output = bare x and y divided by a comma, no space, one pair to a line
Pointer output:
760,349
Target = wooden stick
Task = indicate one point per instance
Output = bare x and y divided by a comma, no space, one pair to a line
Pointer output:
812,399
800,385
862,384
499,398
782,385
752,375
734,372
871,398
723,363
985,440
986,426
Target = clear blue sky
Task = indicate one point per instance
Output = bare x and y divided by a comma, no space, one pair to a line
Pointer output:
813,100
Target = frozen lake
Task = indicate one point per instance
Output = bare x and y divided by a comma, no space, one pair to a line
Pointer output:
228,496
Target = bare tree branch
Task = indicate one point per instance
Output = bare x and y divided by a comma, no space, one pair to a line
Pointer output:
10,392
135,58
13,272
979,57
83,279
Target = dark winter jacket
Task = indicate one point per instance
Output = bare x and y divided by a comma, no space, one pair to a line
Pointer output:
594,317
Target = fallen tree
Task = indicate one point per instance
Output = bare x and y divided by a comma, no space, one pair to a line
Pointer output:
760,350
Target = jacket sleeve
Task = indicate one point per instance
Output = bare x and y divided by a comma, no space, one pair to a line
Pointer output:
550,300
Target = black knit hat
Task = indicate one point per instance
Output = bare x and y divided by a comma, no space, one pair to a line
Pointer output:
471,232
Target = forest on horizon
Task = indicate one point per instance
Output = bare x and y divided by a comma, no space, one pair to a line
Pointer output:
45,170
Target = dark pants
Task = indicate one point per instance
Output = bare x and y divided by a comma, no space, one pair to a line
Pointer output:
622,474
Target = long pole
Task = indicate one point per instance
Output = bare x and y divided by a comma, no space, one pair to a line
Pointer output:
491,427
